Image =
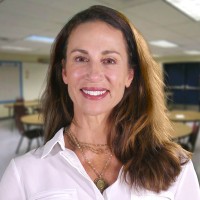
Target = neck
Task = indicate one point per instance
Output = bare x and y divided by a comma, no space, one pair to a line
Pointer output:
91,130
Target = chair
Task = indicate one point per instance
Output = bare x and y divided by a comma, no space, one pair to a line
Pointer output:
190,143
33,133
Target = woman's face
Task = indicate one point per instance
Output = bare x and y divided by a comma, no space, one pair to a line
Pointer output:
96,69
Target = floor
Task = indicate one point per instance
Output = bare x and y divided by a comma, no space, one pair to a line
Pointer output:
9,138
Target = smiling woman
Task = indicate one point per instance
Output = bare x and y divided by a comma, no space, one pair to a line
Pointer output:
106,128
96,69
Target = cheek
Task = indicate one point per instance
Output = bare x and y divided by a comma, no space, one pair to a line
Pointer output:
75,75
118,79
113,74
74,84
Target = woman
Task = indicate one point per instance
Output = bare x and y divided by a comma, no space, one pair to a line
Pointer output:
107,133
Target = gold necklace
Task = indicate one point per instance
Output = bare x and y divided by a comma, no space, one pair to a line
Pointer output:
100,182
94,148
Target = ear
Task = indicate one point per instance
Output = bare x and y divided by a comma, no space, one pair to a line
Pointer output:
130,77
64,72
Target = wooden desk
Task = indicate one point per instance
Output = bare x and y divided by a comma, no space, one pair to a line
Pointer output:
29,104
184,116
34,119
181,130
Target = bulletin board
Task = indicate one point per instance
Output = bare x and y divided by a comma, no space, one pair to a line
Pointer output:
10,81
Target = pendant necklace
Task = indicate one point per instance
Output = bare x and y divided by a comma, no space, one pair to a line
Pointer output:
100,182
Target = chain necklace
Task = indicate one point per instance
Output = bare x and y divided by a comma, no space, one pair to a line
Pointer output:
99,181
95,148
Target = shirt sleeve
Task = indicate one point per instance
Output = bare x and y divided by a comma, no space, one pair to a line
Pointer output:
10,185
188,186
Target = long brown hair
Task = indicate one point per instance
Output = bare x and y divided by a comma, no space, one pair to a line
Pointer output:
139,126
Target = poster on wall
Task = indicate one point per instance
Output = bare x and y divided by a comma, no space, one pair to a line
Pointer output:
10,81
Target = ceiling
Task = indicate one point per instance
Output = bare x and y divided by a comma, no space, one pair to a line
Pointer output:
156,19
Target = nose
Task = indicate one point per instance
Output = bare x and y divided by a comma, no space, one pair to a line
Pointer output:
95,72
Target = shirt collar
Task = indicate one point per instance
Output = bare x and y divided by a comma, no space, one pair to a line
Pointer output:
57,139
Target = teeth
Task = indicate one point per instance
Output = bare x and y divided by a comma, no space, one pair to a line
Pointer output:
94,93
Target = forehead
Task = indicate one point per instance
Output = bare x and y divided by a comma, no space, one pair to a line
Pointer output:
96,32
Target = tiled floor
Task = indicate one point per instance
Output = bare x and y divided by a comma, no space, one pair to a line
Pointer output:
9,138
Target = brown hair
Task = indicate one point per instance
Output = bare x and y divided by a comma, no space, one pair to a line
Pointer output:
139,127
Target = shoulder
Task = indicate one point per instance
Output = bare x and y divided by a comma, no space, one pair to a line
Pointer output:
32,155
53,146
28,159
187,171
37,157
188,174
18,168
185,187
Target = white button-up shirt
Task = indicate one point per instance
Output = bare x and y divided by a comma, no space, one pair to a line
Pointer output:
55,172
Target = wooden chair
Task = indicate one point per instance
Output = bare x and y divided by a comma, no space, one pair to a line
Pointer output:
32,133
190,143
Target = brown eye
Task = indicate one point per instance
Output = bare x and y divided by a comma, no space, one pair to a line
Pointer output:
81,59
109,61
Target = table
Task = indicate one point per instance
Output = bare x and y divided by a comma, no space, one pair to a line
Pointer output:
184,116
33,119
181,130
31,103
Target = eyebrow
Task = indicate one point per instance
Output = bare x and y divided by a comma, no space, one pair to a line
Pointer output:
110,52
104,52
79,50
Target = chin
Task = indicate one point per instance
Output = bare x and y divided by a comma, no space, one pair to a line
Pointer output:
98,112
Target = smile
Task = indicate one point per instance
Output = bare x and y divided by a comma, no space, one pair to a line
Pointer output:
94,93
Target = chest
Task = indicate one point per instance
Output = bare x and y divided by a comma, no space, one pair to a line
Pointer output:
64,177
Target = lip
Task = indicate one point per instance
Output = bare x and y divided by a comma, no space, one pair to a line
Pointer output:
94,93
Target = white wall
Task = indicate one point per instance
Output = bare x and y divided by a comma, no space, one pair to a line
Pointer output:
34,78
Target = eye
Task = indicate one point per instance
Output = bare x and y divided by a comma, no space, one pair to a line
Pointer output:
81,59
109,61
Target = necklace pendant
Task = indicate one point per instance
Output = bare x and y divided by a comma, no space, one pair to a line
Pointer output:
101,184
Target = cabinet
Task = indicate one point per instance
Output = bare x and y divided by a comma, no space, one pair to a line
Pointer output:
183,81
